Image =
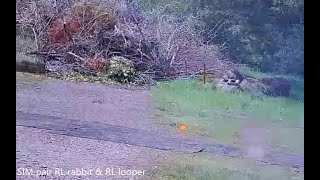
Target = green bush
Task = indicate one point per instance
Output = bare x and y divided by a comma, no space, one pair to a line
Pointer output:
121,69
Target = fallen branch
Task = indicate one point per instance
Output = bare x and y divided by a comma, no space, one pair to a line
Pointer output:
44,53
74,55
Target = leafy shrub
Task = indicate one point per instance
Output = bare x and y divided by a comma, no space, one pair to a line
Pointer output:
121,69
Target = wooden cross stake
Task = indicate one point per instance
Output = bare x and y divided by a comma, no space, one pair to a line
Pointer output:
205,73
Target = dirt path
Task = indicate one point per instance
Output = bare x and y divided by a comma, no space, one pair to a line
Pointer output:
71,125
87,102
39,149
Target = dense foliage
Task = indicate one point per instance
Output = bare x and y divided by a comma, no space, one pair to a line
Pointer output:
264,34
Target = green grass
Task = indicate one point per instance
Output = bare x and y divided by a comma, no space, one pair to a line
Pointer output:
221,116
187,97
208,167
253,72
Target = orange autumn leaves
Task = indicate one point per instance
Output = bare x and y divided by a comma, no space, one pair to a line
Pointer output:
96,63
82,18
62,30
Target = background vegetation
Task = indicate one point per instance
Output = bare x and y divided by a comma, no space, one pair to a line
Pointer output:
265,34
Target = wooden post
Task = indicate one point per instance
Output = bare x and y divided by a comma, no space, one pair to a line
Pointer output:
185,64
204,73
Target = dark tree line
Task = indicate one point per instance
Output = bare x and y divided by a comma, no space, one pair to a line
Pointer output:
264,34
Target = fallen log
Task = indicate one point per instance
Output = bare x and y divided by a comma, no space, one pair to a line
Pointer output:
31,67
25,63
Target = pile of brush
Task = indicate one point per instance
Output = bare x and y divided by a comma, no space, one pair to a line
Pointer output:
86,37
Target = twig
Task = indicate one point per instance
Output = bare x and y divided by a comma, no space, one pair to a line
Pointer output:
98,54
212,30
48,23
35,37
92,21
137,24
211,37
72,54
44,53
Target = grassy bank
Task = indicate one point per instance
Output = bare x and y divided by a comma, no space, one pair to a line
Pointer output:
221,116
208,167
